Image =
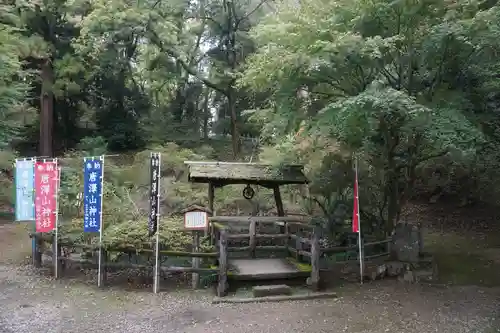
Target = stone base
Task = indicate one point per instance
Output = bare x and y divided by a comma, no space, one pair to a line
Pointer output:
271,290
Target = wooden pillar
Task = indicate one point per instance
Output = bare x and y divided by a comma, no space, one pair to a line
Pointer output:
196,261
104,265
279,205
100,277
253,241
37,253
211,196
222,285
315,253
279,202
298,247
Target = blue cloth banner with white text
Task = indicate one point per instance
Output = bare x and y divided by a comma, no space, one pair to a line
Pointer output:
25,182
92,194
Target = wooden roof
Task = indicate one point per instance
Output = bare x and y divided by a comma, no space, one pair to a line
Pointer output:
225,173
194,208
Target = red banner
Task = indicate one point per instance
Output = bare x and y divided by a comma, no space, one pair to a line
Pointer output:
46,183
355,211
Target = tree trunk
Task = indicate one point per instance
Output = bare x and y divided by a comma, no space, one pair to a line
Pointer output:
46,110
235,136
206,113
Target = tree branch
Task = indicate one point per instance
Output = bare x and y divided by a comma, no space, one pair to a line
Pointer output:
192,71
238,21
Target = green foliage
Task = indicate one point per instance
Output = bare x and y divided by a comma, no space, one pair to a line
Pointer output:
404,87
7,160
12,90
386,81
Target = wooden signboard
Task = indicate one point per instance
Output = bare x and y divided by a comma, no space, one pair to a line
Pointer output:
195,220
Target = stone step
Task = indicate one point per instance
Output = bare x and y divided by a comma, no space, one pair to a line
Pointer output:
271,290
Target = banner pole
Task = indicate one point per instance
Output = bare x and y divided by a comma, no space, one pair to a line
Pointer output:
361,263
157,251
99,270
56,247
33,241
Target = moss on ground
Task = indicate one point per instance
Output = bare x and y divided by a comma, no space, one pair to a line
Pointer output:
465,259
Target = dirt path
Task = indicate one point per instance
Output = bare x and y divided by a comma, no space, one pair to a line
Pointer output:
33,303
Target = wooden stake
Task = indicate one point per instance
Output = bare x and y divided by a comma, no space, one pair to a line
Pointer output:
196,261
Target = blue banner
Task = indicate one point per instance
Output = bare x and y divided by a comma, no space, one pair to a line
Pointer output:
25,181
92,194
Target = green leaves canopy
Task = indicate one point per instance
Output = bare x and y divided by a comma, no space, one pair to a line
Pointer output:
387,79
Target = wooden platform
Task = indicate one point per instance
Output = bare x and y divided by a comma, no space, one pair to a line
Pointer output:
264,269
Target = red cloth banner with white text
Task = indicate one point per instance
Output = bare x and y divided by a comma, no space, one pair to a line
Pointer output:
355,211
46,183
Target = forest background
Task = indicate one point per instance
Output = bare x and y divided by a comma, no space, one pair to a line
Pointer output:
410,88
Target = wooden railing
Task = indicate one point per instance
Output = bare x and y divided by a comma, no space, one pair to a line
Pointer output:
107,264
303,246
220,225
297,246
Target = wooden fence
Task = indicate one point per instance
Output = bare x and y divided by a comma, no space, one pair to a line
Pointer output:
301,242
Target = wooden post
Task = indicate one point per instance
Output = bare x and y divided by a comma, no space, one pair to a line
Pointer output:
100,276
104,265
195,261
211,196
287,239
420,239
37,259
279,205
222,285
253,241
298,247
315,253
279,202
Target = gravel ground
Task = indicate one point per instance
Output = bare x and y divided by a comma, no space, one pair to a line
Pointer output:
31,302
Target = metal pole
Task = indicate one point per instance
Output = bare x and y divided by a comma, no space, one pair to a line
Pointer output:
359,223
99,275
56,248
157,250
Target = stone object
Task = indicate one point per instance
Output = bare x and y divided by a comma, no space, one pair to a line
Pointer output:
271,290
374,272
394,268
423,275
405,244
407,277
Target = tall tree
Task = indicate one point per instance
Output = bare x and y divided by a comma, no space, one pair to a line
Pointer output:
12,88
381,78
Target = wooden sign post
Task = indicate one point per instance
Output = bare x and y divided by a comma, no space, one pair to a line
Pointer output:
196,220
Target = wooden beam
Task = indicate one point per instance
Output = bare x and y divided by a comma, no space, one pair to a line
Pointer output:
245,173
257,236
260,219
300,252
300,239
258,247
123,265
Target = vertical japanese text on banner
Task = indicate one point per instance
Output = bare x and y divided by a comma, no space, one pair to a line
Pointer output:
154,194
24,190
92,194
46,182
